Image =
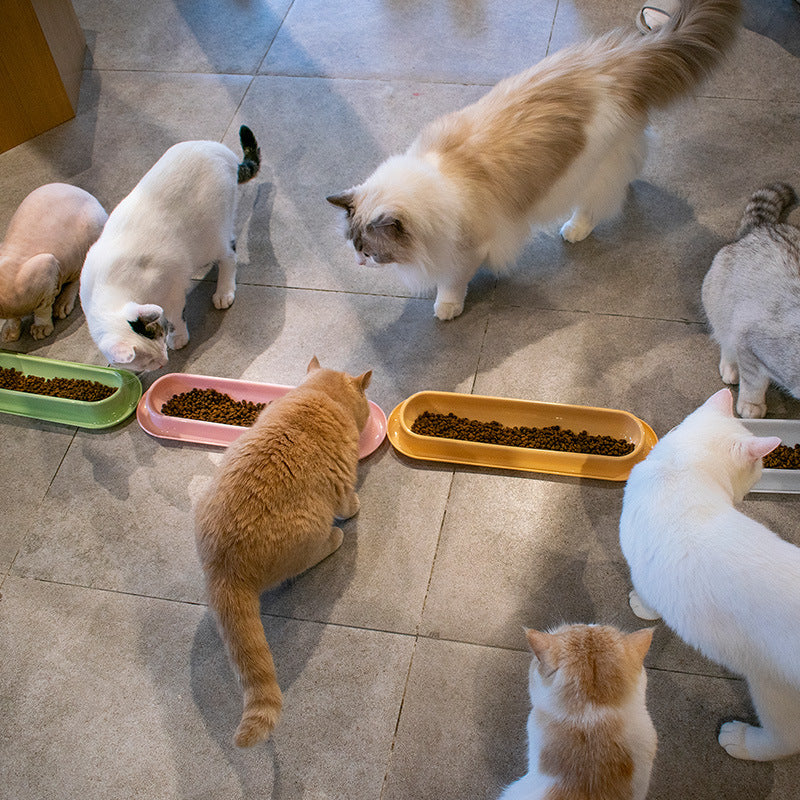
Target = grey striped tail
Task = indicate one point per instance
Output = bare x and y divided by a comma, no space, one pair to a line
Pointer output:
252,155
767,206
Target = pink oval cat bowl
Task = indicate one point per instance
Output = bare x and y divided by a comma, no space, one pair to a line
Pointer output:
81,413
163,426
516,413
777,480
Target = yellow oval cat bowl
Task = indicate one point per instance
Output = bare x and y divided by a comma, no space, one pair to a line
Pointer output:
520,413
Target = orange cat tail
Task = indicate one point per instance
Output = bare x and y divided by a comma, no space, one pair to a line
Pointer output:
238,614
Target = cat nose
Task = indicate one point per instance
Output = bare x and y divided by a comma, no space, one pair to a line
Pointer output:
361,259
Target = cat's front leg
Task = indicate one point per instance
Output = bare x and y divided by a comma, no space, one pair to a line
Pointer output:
42,324
178,334
728,369
450,298
10,330
639,608
65,301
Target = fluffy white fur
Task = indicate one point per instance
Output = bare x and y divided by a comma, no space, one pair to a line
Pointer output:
178,219
562,139
726,584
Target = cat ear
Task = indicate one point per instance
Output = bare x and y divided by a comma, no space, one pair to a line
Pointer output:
756,447
639,642
385,220
345,200
149,312
313,364
362,381
722,401
541,644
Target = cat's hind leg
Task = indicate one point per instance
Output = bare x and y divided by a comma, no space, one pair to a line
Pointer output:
308,552
778,709
603,194
65,301
226,279
348,505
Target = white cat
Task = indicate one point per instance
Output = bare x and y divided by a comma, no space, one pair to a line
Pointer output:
726,584
178,218
564,138
589,733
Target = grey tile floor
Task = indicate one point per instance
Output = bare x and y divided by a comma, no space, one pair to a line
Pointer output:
402,657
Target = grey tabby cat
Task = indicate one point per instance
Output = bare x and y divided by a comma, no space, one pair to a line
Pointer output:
751,296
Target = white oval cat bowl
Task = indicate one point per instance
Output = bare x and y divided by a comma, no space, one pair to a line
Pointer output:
81,413
163,426
516,413
777,480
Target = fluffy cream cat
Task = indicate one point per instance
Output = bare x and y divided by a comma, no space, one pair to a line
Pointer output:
589,733
268,516
564,138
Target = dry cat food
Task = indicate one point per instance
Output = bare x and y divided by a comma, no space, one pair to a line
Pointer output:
67,388
783,457
209,405
450,426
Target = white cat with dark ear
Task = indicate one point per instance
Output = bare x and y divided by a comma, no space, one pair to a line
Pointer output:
751,295
178,219
726,584
562,139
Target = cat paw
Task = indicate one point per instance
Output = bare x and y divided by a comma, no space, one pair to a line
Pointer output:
39,331
728,372
639,608
733,738
576,230
349,508
10,330
751,410
445,311
223,300
175,341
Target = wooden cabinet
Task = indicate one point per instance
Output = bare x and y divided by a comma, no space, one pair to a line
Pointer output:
41,62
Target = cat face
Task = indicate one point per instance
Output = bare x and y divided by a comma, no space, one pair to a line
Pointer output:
140,344
378,237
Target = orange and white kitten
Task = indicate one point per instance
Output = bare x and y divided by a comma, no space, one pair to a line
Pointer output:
268,516
562,139
589,733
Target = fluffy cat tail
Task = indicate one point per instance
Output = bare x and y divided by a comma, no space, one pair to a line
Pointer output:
685,50
252,155
769,205
239,619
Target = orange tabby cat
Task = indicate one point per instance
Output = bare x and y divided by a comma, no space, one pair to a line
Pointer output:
589,733
268,516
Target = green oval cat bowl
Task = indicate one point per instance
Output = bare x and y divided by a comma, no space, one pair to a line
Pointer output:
81,413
